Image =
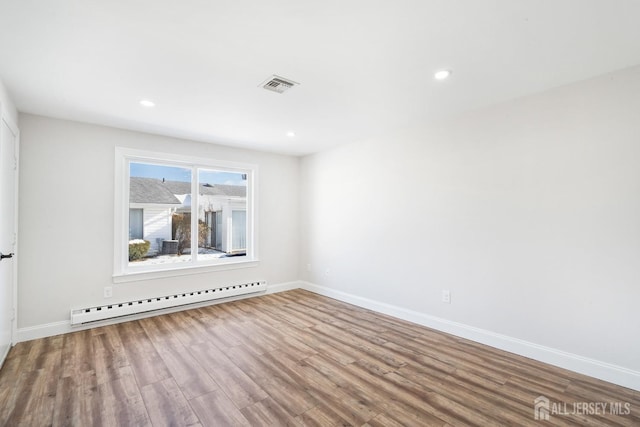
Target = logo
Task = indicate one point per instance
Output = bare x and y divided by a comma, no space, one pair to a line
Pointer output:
541,408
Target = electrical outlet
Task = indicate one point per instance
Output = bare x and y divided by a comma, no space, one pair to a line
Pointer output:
108,291
327,272
308,267
446,296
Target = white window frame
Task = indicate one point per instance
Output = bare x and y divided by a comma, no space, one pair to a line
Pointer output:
122,271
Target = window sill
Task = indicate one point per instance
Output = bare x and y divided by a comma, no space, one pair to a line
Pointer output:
134,276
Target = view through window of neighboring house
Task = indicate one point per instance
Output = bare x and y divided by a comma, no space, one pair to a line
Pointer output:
162,229
222,194
135,223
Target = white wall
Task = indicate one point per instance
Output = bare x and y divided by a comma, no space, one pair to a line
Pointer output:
66,217
528,211
7,104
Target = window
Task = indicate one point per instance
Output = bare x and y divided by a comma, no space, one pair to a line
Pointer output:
178,215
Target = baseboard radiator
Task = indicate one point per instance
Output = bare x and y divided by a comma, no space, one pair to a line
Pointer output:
110,311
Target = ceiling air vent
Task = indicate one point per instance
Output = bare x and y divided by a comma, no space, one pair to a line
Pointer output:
278,84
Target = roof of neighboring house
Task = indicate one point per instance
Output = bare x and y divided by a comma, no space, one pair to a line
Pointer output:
150,190
153,190
180,187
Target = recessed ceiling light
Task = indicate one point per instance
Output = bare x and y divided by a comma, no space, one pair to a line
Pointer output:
291,134
442,74
147,103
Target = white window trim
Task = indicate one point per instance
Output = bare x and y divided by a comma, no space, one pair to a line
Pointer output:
122,272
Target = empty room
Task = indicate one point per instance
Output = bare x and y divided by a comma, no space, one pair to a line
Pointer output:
285,213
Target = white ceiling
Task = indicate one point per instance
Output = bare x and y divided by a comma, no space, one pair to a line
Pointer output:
365,66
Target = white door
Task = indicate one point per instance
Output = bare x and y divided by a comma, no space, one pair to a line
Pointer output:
8,203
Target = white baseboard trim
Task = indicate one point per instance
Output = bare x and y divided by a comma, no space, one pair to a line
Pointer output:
64,326
3,357
286,286
594,368
42,331
602,370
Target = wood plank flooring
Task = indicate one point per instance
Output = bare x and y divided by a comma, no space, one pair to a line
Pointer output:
293,358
